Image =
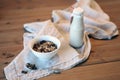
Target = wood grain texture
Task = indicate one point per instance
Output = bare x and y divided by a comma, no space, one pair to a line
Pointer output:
105,54
92,72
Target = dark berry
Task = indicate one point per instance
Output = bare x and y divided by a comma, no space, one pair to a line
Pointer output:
24,72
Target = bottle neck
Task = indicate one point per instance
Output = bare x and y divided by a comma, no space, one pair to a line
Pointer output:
77,21
76,17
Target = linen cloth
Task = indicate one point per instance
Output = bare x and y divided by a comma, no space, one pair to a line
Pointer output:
97,22
66,58
97,25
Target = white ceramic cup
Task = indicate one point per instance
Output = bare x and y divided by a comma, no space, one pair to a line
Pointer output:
48,55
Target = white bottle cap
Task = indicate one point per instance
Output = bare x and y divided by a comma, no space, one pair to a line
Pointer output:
78,11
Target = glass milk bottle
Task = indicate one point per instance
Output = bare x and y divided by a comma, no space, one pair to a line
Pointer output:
77,28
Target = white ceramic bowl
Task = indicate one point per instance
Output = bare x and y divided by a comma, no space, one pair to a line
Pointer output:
44,56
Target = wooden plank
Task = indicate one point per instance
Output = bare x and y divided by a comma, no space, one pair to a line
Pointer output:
106,71
11,36
28,4
108,2
104,52
19,22
14,14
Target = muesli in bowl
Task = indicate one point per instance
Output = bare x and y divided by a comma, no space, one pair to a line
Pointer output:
44,47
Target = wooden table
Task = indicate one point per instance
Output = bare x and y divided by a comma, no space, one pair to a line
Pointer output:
104,60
